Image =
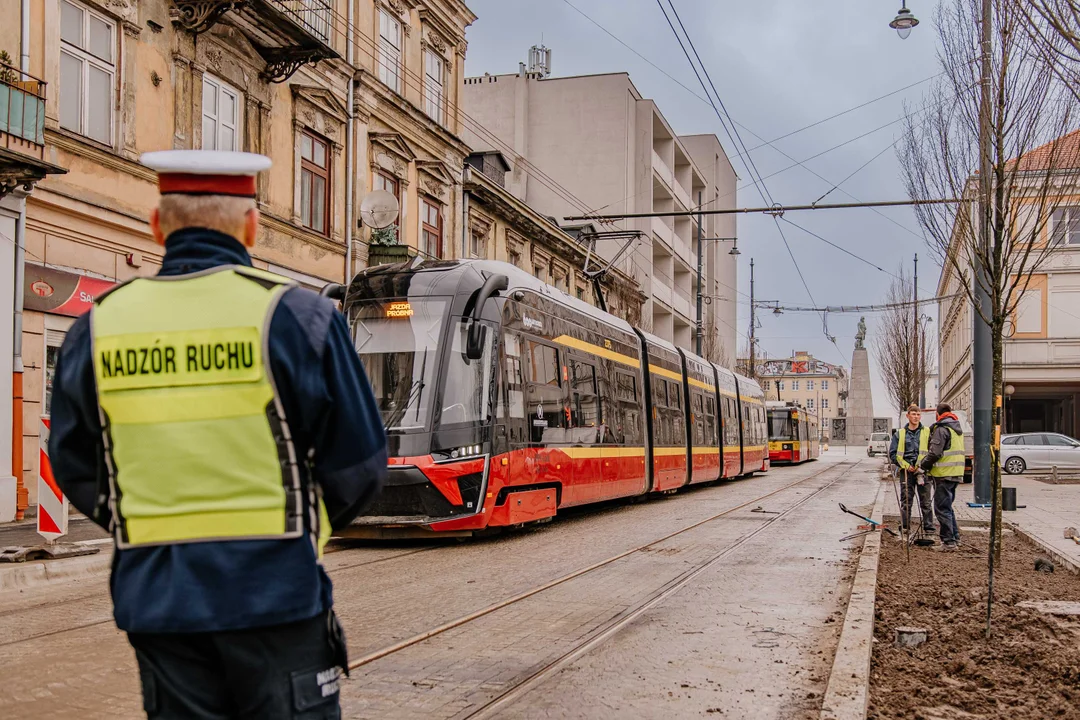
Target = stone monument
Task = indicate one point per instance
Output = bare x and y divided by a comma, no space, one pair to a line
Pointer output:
860,402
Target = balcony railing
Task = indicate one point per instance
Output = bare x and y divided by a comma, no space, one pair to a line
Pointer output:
22,112
287,33
22,131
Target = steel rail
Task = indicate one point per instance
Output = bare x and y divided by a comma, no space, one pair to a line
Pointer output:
465,619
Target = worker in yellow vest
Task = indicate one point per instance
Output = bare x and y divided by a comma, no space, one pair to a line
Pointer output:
217,421
909,446
944,462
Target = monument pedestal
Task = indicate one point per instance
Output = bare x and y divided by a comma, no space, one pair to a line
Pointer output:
860,403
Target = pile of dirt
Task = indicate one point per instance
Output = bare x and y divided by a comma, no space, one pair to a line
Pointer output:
1028,670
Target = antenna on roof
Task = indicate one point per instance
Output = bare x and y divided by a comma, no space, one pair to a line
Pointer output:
540,60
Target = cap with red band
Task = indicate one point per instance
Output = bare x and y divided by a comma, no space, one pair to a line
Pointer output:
206,172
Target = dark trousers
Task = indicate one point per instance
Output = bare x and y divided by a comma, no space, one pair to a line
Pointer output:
282,672
909,488
944,495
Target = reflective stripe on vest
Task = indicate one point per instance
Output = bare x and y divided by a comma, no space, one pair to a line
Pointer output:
196,438
924,443
951,463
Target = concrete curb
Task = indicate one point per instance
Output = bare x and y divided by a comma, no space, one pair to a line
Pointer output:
23,576
847,694
1055,554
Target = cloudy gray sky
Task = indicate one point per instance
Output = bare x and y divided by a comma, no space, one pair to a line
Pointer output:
778,65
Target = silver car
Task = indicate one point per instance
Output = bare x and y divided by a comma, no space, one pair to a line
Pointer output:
1038,451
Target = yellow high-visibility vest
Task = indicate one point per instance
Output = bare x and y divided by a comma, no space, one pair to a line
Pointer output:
924,443
951,463
197,443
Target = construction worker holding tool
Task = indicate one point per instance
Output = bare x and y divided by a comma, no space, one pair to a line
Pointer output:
217,421
944,462
909,446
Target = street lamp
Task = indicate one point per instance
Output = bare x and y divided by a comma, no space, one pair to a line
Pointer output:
904,21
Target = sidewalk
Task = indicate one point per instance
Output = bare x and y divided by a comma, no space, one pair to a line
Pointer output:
24,533
1049,510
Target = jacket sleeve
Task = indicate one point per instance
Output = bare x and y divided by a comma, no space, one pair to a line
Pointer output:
894,444
328,403
939,440
76,448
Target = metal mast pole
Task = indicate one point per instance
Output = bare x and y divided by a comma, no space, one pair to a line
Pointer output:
753,327
982,372
700,242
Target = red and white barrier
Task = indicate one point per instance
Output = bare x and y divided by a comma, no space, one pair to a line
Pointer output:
52,518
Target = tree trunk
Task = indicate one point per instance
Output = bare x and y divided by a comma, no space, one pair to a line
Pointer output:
998,345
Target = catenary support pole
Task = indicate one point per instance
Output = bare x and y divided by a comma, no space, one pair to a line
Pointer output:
700,243
753,327
982,370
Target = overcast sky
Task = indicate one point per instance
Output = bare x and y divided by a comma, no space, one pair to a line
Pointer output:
778,65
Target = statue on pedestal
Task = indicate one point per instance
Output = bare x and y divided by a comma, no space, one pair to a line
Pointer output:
860,336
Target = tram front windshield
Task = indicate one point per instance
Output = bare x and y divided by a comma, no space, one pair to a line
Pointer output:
398,342
781,426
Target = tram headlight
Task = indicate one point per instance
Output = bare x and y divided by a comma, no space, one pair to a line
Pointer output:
786,446
461,453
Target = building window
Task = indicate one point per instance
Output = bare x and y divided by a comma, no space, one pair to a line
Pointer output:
794,384
580,293
221,108
825,403
314,183
87,72
825,386
768,386
478,244
514,258
1065,226
433,85
780,385
390,51
431,230
810,403
809,384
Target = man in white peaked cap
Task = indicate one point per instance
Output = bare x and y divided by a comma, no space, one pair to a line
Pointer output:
217,421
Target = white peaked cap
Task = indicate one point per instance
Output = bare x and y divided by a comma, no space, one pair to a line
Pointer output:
206,172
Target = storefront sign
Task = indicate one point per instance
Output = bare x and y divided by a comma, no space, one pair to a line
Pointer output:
60,292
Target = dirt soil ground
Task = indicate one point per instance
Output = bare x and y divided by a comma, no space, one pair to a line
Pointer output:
1028,670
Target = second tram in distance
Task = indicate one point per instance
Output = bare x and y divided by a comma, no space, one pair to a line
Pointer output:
793,433
506,400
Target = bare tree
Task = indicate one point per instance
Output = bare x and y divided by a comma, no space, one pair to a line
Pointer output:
904,355
1054,26
1032,165
713,348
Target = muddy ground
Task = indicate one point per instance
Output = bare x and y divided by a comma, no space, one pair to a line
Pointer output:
1028,670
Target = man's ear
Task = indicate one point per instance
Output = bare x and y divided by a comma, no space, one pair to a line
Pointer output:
251,227
155,226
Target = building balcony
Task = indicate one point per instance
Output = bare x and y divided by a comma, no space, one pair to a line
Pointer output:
662,230
22,131
662,170
287,33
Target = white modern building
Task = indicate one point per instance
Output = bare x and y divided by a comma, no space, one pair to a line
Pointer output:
593,144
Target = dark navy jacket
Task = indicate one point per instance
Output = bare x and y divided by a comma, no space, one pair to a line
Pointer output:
229,585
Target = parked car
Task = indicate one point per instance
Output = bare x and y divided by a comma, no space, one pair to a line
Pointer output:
879,444
1038,451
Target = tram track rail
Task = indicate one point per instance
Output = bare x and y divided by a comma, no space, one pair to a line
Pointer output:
767,521
610,629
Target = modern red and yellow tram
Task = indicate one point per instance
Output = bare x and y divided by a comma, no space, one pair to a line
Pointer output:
505,400
793,433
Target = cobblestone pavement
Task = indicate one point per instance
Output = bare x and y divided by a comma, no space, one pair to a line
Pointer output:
752,634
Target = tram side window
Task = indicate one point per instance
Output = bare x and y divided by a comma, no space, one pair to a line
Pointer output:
513,405
546,396
585,404
710,420
699,418
628,429
731,437
678,429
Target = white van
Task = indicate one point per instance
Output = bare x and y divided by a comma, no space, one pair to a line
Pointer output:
879,444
